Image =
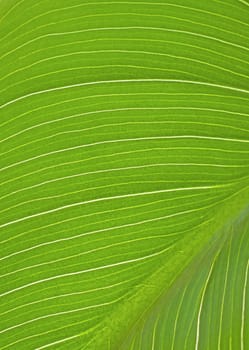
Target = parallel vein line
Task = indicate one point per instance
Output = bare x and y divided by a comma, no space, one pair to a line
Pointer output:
129,195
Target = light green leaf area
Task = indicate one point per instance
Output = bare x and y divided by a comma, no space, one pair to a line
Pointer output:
124,175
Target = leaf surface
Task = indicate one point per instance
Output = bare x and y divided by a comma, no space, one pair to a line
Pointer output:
124,175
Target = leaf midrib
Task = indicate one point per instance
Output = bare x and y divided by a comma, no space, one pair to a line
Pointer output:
117,326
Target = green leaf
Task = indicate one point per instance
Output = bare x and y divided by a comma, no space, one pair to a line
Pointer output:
124,221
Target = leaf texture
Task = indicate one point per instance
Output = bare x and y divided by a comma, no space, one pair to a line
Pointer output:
124,175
